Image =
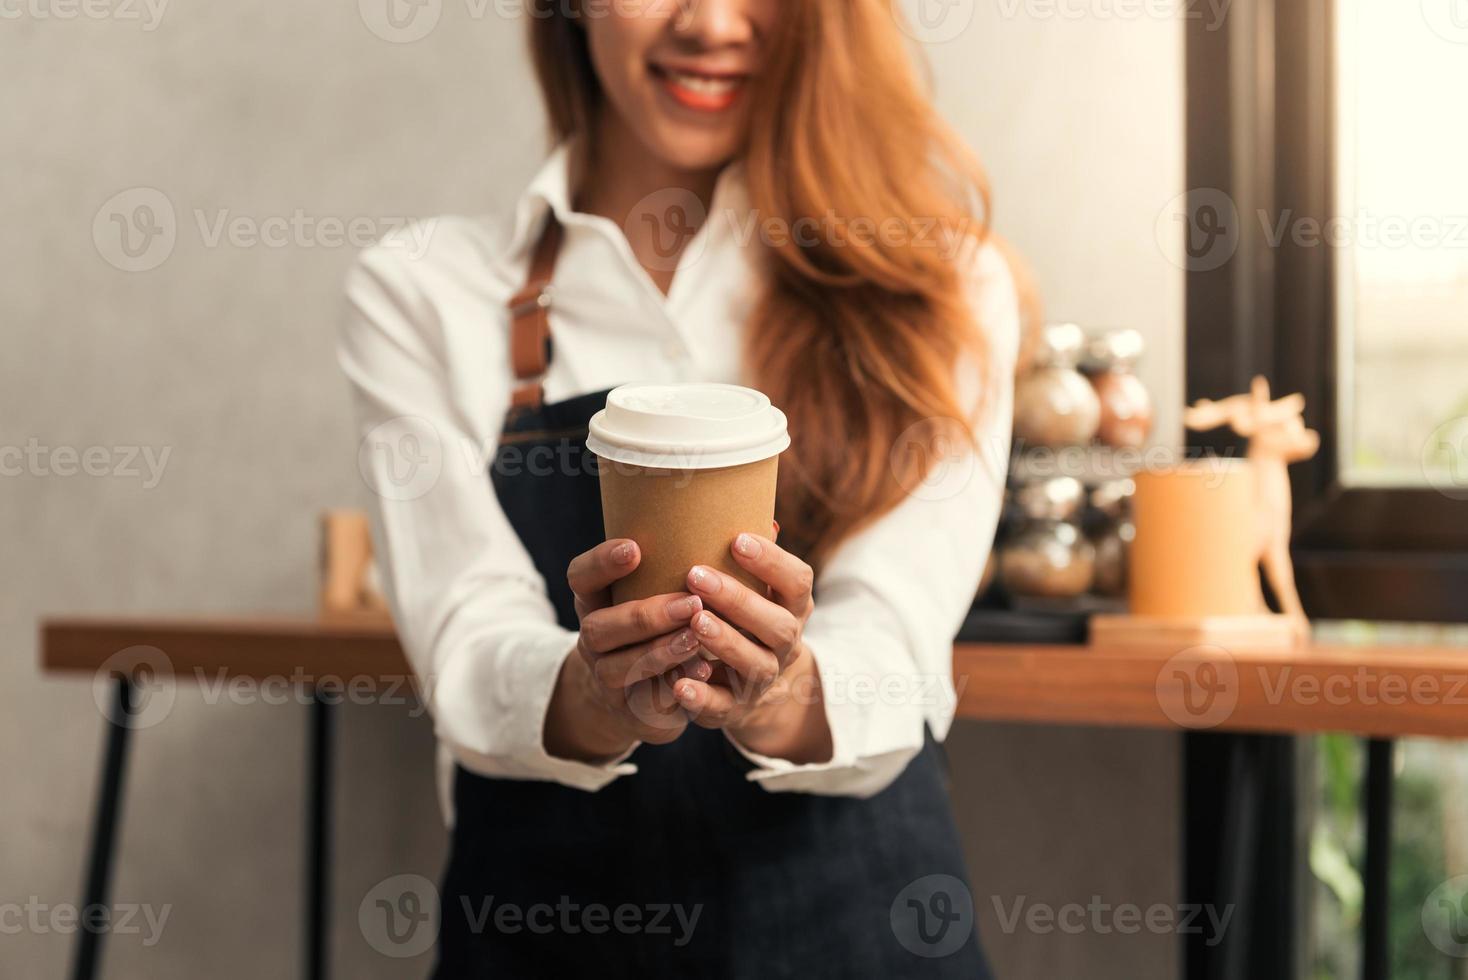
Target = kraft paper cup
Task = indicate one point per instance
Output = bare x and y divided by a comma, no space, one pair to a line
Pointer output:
684,469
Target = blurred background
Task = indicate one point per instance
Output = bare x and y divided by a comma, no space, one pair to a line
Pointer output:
185,186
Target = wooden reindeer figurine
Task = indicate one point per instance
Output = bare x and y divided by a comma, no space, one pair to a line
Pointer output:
1277,437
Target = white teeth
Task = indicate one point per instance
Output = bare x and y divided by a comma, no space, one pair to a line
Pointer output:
703,84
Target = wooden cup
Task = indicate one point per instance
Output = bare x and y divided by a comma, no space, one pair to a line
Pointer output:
1197,544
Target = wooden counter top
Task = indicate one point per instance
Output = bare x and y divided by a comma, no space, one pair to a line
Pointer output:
1370,690
257,647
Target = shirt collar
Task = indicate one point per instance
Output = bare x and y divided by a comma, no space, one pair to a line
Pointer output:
550,191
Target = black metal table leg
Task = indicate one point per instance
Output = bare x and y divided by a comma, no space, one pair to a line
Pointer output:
1376,911
318,841
104,828
1240,816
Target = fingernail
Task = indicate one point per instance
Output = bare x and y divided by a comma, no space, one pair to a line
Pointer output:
623,553
685,607
703,579
685,693
706,625
747,546
699,670
684,642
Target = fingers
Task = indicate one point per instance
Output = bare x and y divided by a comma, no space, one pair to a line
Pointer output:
789,578
623,668
657,715
628,623
756,667
698,670
707,705
773,625
592,572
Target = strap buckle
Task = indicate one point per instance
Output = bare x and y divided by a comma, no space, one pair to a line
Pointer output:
531,301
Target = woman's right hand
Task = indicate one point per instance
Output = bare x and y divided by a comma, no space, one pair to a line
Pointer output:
617,690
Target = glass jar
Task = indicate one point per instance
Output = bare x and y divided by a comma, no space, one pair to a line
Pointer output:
1112,536
1054,405
1125,405
1047,555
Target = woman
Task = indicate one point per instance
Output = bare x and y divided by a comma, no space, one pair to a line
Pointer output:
750,191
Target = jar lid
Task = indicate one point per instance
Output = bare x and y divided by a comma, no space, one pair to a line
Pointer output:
687,426
1057,499
1061,345
1111,497
1115,349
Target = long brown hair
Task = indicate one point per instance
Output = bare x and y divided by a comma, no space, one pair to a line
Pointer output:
862,325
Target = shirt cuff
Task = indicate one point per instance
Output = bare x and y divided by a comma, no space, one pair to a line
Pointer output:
588,776
520,734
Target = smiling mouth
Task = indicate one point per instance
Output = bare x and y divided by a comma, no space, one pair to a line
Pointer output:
700,91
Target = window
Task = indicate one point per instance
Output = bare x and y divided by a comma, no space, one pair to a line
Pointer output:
1401,236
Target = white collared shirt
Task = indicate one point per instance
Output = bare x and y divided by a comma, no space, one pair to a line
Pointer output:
425,345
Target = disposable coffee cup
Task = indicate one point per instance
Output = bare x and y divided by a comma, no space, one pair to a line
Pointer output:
684,469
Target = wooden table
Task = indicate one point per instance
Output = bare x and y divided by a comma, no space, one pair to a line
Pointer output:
1378,691
1384,691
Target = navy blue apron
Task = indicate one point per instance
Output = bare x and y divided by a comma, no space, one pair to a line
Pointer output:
685,868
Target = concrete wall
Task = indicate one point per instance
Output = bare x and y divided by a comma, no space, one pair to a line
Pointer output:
217,350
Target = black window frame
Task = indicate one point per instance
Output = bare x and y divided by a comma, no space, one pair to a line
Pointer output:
1261,129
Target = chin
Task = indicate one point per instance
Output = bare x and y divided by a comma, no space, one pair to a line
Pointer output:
696,150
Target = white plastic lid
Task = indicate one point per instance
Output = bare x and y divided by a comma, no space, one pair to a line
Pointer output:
687,426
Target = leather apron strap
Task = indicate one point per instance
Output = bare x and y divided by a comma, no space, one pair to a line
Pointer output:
530,339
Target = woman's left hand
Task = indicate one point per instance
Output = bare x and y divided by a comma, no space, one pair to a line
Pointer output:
771,702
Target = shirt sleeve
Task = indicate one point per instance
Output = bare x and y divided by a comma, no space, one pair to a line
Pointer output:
892,597
470,609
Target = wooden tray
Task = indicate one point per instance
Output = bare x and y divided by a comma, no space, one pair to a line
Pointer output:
1258,634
